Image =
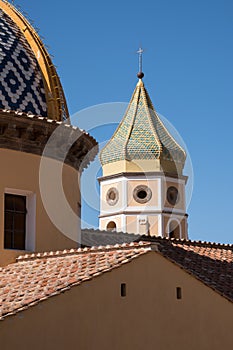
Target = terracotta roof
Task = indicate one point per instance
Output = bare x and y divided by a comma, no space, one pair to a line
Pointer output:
37,277
95,237
211,263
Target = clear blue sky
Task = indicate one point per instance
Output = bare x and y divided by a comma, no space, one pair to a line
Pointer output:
188,65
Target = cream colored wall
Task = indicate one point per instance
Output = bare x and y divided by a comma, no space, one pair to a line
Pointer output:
153,225
104,204
135,166
184,228
181,188
131,209
20,171
94,316
152,184
132,224
104,222
142,165
182,221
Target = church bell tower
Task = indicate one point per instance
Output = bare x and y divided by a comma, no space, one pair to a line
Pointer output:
142,189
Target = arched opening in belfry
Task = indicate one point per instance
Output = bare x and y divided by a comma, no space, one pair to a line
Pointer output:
174,229
111,226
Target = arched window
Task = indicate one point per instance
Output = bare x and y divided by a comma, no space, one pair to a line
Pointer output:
174,229
111,226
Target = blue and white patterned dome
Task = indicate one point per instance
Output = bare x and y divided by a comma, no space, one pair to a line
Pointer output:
21,80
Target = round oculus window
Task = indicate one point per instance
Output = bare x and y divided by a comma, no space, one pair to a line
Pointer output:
142,194
112,196
172,195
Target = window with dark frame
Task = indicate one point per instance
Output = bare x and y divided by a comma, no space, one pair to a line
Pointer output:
15,222
123,289
178,293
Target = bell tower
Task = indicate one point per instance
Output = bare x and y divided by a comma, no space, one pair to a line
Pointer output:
142,189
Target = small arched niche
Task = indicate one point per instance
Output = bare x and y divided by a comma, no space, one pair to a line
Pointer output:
111,226
174,229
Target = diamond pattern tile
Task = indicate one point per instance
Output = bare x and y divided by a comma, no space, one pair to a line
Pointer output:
21,82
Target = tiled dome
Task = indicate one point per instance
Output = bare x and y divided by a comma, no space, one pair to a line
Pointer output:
22,86
28,79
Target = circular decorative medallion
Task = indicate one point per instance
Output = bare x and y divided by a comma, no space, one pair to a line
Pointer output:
142,194
112,196
172,195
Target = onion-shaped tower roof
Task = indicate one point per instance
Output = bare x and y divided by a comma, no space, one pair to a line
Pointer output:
141,135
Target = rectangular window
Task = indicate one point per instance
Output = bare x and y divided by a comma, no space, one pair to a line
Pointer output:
123,289
15,222
178,293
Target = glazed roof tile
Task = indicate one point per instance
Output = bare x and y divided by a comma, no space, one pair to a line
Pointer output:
36,277
29,82
22,86
141,134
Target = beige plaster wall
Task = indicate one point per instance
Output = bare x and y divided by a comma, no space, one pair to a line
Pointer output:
93,316
132,224
183,224
104,189
104,222
20,171
135,166
142,165
152,184
181,188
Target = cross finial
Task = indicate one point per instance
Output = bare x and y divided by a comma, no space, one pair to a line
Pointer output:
140,73
140,52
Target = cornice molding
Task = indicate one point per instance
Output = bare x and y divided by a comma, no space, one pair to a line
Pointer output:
30,134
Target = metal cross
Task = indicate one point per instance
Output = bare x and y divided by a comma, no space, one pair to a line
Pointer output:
140,52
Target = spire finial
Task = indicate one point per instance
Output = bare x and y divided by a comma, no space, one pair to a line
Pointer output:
140,73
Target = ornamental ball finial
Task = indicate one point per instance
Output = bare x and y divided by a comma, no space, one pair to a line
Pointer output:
140,75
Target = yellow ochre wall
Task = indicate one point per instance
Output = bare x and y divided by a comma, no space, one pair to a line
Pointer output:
93,316
142,165
20,171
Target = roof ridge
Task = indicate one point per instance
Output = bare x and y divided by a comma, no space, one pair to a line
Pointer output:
145,97
145,238
121,122
95,230
50,277
93,249
169,134
197,242
136,95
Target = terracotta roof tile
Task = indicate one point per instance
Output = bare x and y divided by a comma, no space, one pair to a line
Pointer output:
211,263
36,277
